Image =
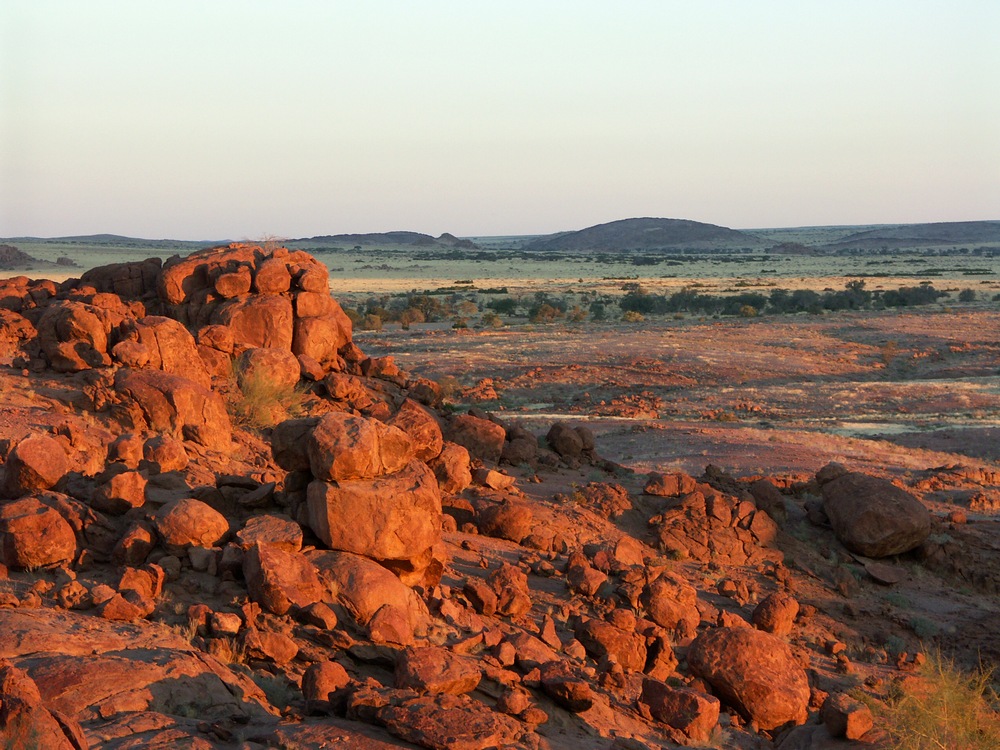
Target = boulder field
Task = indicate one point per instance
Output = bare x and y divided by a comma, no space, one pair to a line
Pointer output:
377,570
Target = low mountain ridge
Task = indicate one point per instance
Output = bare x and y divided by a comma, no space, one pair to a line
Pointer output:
414,239
647,234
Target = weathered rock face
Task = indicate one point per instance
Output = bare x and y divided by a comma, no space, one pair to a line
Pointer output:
394,518
433,669
753,671
707,525
177,406
264,322
25,720
171,348
33,535
278,579
133,280
289,443
108,674
874,517
421,427
345,447
453,722
693,713
73,336
776,613
36,463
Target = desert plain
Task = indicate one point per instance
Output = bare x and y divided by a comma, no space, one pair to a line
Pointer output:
732,531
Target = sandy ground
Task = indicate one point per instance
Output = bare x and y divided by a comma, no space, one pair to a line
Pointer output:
911,389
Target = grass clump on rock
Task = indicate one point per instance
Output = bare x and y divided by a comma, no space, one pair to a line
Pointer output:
258,401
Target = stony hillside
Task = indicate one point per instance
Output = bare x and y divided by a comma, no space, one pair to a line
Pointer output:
224,525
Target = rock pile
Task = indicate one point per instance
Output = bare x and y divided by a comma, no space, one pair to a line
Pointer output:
367,573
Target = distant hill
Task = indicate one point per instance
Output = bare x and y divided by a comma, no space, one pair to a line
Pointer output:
923,235
395,239
647,234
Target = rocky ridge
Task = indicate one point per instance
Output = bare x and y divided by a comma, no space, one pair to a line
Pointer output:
379,571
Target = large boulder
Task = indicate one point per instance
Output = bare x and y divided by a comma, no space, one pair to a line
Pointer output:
171,348
690,711
874,517
672,603
73,336
258,321
26,721
289,443
190,523
481,437
320,338
183,278
753,671
344,447
278,579
395,519
452,468
419,423
33,535
36,463
364,588
434,669
131,281
177,406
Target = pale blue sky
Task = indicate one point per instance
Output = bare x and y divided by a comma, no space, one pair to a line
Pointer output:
213,119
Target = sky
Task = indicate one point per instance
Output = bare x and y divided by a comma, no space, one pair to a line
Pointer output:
228,119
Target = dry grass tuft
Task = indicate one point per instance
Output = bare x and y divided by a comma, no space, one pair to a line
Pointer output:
257,402
945,708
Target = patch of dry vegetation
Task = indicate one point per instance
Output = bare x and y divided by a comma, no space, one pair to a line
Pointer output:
944,708
257,402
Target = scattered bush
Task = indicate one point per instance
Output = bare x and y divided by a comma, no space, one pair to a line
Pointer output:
967,295
491,320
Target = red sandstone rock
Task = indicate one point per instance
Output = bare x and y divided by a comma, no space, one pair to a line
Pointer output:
323,678
36,463
190,523
776,614
177,406
395,518
506,520
753,671
421,427
672,603
345,447
482,438
433,669
278,579
276,366
692,712
451,467
33,535
172,348
874,517
73,336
